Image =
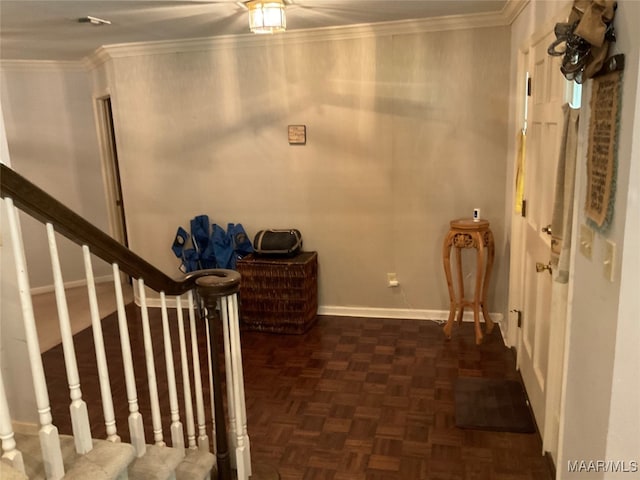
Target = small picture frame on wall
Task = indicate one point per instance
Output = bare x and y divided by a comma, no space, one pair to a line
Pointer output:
297,134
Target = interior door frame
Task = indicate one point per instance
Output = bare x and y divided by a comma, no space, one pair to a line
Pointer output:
516,260
110,168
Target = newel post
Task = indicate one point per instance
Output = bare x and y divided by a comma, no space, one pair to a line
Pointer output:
217,284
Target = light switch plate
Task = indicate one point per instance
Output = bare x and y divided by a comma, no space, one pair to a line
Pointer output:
586,241
609,260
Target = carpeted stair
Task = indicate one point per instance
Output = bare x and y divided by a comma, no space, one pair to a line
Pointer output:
197,465
105,461
7,472
109,461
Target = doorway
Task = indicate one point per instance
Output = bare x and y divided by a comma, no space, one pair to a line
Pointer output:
111,171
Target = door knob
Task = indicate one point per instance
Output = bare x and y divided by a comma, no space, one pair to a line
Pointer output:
541,267
547,229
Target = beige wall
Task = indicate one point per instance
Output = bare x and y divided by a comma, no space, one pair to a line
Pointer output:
405,133
19,393
52,140
603,324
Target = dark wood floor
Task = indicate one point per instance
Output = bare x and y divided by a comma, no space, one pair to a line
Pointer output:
352,399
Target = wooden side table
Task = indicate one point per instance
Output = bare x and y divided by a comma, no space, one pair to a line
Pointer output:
465,233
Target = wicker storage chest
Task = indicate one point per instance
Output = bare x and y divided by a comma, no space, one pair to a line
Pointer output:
279,295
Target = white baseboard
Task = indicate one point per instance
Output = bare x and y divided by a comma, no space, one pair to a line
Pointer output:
154,302
25,428
72,284
366,312
399,313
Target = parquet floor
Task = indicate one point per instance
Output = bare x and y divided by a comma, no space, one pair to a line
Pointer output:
352,399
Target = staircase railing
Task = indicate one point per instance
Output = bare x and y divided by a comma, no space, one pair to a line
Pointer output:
213,292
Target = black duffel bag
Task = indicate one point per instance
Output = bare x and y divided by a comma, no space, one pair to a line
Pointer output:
278,242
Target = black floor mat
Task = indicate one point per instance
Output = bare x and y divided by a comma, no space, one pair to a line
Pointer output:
492,404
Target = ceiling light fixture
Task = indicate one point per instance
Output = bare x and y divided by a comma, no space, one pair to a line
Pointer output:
267,16
93,20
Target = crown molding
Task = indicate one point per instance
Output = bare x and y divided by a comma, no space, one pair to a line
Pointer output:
97,58
505,17
512,9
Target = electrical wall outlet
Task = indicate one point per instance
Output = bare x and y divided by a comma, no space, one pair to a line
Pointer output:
392,280
609,260
586,241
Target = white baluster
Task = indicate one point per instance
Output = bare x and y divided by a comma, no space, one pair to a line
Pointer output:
156,419
228,363
235,387
136,428
211,392
78,407
186,383
48,433
203,439
10,453
101,357
241,410
177,434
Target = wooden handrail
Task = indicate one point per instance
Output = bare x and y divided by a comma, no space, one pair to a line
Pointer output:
211,284
36,202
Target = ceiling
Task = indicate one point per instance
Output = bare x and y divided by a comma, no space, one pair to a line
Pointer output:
50,30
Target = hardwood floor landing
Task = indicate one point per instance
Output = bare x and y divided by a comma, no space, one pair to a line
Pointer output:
352,399
373,399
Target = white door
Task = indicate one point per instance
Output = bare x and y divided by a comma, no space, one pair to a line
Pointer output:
537,354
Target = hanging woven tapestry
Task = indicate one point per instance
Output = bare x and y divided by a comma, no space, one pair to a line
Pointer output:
602,153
